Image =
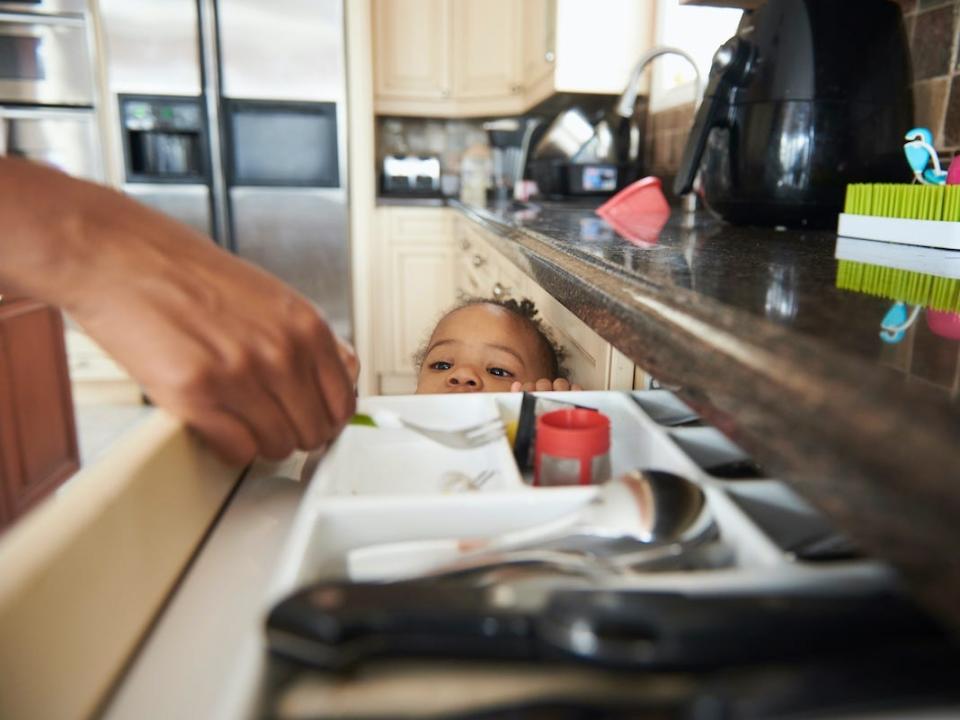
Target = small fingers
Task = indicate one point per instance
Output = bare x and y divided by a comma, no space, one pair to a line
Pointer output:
543,384
561,384
577,388
516,386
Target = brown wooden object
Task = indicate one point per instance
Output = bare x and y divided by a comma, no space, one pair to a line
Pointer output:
38,439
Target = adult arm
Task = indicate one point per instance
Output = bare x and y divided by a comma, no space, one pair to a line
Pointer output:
240,357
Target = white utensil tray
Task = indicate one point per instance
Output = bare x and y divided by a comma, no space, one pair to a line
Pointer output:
380,486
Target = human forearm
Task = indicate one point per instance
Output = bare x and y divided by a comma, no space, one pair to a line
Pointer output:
43,213
230,349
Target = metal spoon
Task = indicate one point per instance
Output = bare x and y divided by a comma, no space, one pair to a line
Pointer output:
644,517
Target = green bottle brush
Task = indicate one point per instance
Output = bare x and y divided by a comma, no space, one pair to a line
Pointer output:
923,215
897,200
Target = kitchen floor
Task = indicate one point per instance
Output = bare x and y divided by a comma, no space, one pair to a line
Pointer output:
100,425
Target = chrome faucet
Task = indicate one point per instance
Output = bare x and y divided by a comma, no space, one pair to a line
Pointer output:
625,106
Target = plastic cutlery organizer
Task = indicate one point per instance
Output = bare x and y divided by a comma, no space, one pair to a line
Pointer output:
378,486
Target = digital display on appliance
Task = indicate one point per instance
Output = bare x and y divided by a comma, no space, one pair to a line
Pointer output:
599,178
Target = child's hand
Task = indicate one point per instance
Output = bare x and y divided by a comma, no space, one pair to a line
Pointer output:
544,384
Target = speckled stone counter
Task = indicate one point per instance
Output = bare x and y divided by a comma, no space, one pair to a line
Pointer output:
748,323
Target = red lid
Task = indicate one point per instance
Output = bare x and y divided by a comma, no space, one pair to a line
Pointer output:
573,433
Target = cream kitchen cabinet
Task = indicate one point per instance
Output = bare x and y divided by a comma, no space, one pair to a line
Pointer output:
539,44
486,52
429,258
416,284
482,271
411,53
572,46
476,58
447,58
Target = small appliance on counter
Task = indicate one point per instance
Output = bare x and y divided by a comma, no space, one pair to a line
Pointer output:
574,156
411,175
810,95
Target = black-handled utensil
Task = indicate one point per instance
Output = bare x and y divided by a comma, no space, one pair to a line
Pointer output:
336,626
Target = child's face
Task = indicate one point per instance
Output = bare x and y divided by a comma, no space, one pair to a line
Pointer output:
481,348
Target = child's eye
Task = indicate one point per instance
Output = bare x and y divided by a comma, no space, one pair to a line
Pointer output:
500,372
440,365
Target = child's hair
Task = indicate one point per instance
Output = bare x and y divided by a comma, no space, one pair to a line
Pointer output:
527,313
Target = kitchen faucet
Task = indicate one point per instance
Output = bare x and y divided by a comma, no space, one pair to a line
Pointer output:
625,106
628,100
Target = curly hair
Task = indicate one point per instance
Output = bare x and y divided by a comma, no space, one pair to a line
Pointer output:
526,311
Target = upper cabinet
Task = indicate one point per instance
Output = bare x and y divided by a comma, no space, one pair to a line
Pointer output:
475,58
447,58
539,45
412,52
486,50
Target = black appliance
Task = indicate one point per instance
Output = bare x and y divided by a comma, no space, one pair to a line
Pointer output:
810,95
557,178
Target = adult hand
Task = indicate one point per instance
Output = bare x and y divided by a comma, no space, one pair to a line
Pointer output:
545,384
240,357
244,360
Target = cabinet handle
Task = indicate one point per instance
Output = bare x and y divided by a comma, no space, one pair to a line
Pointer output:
515,89
464,243
445,92
549,56
479,260
499,291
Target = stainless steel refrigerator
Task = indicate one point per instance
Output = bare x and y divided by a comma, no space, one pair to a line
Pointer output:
230,115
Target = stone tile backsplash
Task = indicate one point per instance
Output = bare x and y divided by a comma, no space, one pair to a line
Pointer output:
447,139
933,29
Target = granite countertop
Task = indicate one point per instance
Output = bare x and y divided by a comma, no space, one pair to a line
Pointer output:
750,326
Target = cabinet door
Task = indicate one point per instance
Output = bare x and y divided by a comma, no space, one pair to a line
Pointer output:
476,263
539,39
412,48
38,445
417,285
486,48
422,276
587,356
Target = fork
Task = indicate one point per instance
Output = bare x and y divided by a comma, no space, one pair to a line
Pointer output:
466,438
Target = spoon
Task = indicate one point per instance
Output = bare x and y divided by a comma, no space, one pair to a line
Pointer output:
646,516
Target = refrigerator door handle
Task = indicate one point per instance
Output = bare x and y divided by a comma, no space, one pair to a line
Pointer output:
212,86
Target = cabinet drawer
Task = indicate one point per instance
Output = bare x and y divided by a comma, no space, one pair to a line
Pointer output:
418,224
586,354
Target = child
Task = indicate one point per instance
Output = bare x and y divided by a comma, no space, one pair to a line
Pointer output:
490,346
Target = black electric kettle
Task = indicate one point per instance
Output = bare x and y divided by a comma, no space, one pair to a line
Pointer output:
810,95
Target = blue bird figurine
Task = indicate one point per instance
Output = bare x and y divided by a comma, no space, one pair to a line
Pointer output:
894,326
920,154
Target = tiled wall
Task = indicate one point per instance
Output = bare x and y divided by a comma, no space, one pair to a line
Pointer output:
666,138
448,139
932,30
